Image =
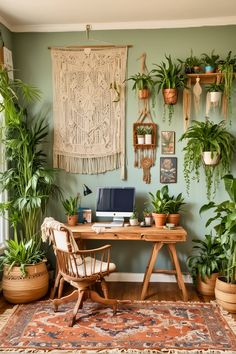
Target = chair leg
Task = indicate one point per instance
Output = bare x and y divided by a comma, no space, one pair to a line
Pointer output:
104,288
78,305
97,298
65,299
55,286
61,286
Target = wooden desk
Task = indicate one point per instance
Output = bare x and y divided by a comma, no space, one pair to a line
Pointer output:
157,235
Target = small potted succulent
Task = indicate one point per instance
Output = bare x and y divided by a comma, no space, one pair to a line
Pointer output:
210,61
133,220
71,208
147,217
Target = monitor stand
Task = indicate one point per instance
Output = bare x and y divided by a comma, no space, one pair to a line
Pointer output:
118,221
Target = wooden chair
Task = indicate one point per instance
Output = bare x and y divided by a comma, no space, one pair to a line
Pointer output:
80,268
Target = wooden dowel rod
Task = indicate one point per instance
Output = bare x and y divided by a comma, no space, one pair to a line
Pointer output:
91,46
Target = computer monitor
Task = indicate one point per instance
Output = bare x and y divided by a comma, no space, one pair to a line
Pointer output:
116,202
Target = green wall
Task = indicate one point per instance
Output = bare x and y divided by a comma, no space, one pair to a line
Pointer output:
32,59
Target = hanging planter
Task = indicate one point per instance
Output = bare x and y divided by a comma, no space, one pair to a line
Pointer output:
170,96
143,94
210,158
215,97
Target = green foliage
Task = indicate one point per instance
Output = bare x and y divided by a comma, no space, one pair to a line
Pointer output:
210,59
134,215
163,203
190,62
140,130
21,254
207,136
225,219
147,212
176,203
71,205
148,129
169,75
215,87
207,257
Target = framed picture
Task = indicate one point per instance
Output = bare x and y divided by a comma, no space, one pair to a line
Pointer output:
167,142
168,170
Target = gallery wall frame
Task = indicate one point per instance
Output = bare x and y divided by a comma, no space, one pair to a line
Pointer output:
167,142
168,170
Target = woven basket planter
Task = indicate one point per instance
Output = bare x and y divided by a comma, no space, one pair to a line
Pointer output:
207,286
225,294
18,289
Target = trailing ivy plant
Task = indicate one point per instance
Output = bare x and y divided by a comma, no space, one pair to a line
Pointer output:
207,136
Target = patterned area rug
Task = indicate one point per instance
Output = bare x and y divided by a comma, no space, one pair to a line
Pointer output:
138,327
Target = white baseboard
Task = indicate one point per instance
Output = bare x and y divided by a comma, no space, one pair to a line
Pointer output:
138,277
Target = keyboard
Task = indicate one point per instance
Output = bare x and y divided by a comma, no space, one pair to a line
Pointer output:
108,224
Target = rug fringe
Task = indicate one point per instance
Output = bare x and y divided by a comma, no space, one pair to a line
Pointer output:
119,351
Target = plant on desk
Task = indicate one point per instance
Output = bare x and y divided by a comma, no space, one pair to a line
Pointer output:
160,202
133,220
71,208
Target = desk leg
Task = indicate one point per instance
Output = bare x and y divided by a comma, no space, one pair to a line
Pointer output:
180,280
152,260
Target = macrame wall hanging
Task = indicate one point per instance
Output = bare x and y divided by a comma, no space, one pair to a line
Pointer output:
89,108
144,133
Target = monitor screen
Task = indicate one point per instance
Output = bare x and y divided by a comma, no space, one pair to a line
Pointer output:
115,201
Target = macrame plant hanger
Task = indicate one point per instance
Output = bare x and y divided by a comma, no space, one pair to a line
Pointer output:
145,151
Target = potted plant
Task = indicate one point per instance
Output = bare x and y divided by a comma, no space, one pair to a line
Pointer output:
29,184
211,146
148,135
147,217
226,67
169,80
133,220
225,226
144,85
215,92
210,61
205,263
192,64
174,207
140,130
71,208
160,202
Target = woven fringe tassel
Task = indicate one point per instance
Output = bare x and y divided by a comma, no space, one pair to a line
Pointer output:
87,165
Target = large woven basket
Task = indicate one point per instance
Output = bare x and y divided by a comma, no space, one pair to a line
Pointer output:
18,289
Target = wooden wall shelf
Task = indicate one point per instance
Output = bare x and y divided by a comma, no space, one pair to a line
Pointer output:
205,78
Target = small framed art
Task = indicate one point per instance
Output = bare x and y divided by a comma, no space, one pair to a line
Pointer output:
168,169
167,142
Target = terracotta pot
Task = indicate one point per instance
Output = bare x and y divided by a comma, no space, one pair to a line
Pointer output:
207,286
170,96
159,219
19,290
143,94
173,219
210,158
225,294
72,220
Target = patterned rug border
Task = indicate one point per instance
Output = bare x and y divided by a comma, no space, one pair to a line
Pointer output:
5,316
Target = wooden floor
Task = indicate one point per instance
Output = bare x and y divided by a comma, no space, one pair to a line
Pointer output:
132,291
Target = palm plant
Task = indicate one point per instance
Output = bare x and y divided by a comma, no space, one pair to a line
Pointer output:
28,182
207,136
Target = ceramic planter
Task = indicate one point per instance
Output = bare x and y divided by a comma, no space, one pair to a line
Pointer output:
148,220
143,94
209,69
133,222
215,96
210,158
148,139
72,220
140,139
159,219
225,294
19,290
170,96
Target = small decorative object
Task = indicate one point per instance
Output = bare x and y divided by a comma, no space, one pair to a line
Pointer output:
147,217
197,91
211,137
87,215
168,169
169,80
167,142
133,220
146,164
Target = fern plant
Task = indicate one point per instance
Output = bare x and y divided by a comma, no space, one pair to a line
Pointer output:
207,136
